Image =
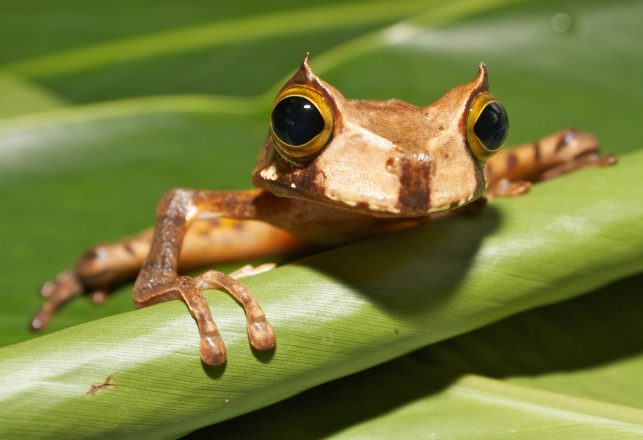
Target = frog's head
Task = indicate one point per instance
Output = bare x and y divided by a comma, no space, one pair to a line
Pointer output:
384,158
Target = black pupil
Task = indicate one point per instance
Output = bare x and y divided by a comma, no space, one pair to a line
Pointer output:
295,120
492,126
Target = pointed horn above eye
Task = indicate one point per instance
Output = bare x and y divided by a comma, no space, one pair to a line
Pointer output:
482,79
304,62
304,74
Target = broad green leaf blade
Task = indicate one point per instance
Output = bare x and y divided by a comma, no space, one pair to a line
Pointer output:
231,49
49,29
333,315
474,407
569,349
224,56
21,96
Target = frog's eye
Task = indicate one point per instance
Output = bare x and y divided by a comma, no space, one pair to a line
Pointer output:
301,123
487,126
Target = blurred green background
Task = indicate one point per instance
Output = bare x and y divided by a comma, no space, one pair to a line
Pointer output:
105,105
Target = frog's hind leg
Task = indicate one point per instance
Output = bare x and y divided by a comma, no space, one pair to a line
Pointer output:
208,241
512,171
98,271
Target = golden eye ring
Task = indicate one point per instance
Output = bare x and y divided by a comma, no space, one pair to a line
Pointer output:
487,126
301,123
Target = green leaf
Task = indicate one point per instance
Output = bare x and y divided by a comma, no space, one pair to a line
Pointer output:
20,96
216,51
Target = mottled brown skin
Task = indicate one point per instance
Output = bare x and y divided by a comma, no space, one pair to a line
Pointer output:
388,165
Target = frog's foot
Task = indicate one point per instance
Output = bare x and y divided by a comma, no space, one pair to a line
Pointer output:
63,288
588,159
213,352
260,332
508,188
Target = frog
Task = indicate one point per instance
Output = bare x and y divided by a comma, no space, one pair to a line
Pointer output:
331,170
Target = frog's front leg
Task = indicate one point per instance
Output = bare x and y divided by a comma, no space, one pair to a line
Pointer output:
208,242
159,281
512,171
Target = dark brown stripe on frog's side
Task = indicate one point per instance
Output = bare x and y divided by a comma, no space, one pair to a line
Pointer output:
537,152
129,248
512,161
91,254
214,221
489,171
414,186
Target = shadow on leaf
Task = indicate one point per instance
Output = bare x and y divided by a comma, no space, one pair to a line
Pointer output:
571,336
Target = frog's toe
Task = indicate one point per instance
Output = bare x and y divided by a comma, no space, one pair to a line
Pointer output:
67,280
261,335
98,296
213,351
47,289
39,320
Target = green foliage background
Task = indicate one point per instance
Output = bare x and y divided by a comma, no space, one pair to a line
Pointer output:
106,105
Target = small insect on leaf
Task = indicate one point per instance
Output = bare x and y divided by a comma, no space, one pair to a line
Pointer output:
95,388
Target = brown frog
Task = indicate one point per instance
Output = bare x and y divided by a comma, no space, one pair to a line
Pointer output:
332,170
